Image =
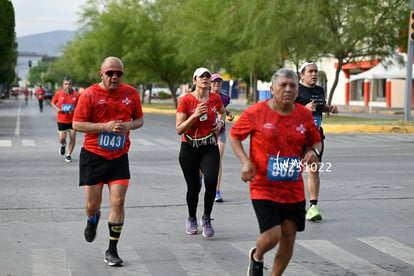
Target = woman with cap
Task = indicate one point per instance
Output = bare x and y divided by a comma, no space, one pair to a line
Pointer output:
196,122
216,83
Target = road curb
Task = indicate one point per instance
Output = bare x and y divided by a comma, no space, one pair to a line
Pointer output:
367,129
327,128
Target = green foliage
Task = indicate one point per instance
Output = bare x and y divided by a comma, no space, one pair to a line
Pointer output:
43,74
351,30
163,95
8,46
165,40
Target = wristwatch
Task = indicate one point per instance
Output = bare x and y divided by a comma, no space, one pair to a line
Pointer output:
318,154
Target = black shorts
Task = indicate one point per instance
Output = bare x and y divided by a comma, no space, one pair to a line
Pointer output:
270,213
64,127
95,169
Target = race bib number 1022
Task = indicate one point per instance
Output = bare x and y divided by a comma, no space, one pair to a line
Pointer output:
282,168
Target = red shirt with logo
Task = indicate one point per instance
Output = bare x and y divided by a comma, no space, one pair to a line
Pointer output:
67,103
98,105
188,104
276,150
40,94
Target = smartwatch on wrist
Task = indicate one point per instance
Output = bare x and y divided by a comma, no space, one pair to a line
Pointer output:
318,154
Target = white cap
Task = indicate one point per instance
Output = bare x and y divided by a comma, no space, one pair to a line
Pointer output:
305,64
200,71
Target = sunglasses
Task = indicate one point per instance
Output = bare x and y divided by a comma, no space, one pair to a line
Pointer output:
110,73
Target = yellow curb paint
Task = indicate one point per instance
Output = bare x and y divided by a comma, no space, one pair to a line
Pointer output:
367,129
158,111
326,128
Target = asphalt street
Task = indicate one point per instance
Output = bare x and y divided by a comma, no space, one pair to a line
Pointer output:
367,202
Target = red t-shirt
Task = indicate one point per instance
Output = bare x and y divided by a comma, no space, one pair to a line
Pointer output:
98,105
40,94
66,102
188,104
277,141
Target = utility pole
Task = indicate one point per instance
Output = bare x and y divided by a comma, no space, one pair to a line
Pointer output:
409,70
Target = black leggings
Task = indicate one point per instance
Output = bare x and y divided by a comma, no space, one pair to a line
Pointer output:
192,160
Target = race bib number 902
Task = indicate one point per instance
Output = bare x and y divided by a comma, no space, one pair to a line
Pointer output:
67,107
111,141
283,168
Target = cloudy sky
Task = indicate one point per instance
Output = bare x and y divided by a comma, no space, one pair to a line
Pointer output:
39,16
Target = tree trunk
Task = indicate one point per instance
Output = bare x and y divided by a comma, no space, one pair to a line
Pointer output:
255,77
335,83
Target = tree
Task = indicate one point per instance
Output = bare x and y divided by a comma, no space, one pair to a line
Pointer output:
165,40
8,46
135,31
354,30
153,53
43,73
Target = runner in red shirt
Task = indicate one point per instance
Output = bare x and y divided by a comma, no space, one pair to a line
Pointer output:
106,112
279,132
26,95
65,101
40,95
196,122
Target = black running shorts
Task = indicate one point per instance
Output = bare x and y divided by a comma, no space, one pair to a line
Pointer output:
64,127
95,169
270,214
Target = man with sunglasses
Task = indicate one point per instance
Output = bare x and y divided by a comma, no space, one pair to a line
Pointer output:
106,113
312,96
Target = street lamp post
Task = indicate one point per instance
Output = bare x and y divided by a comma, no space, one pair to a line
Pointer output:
409,68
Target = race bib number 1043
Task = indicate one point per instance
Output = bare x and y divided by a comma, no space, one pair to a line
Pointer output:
111,141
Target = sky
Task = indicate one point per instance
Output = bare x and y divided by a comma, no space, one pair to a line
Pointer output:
40,16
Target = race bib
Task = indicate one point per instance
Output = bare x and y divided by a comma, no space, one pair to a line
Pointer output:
282,168
318,120
67,107
111,141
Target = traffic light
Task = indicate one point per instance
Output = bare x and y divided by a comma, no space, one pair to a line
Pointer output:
30,63
411,33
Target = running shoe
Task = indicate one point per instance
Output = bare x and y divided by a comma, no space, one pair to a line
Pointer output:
112,258
208,230
255,268
68,159
90,229
191,226
62,150
313,214
218,197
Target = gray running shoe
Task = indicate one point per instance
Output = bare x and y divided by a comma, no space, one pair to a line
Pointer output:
68,159
112,258
208,230
191,226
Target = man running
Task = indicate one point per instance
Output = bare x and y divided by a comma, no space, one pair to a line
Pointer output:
279,129
312,96
65,101
107,112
